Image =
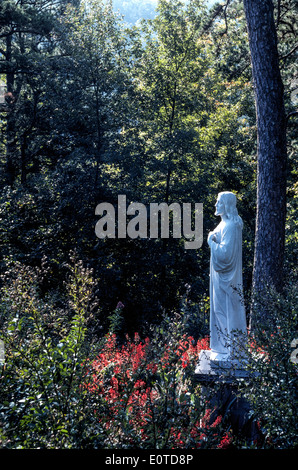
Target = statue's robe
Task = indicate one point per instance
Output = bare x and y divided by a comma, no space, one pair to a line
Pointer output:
227,312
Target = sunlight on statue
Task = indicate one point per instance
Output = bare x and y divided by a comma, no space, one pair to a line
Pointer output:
227,313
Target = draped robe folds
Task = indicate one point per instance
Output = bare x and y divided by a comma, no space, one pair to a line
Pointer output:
227,313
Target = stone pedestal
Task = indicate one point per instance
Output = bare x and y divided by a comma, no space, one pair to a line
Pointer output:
209,368
219,381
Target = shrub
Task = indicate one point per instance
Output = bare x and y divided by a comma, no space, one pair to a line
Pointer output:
272,389
43,404
60,389
152,400
63,387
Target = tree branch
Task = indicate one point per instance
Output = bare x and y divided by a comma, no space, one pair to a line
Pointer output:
289,53
23,31
225,16
293,113
215,15
278,13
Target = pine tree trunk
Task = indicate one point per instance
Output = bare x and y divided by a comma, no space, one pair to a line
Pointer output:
272,151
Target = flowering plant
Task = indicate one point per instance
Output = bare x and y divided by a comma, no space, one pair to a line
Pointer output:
150,399
61,390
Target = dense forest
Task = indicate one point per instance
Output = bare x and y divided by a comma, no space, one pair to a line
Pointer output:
151,100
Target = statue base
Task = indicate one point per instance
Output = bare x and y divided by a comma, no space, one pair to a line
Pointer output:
213,366
220,377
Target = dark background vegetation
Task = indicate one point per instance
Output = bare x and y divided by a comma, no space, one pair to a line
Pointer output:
159,110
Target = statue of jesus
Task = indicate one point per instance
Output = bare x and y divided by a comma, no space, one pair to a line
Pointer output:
227,313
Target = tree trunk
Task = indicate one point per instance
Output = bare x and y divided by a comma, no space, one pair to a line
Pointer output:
272,151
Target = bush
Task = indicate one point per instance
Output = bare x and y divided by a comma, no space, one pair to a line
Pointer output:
152,400
272,389
43,403
62,389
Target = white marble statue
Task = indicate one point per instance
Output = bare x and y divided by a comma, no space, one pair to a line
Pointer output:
227,313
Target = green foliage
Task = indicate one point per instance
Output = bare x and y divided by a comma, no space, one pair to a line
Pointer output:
63,387
43,403
144,112
59,389
161,110
272,389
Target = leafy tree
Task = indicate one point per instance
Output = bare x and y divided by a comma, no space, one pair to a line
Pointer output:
190,135
149,113
26,37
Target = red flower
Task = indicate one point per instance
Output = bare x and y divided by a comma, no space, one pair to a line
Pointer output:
225,442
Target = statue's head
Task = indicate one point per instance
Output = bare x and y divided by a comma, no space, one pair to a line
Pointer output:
229,201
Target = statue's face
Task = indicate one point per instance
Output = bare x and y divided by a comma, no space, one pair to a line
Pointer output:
219,207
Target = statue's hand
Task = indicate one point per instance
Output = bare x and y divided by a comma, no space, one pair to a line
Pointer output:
211,237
